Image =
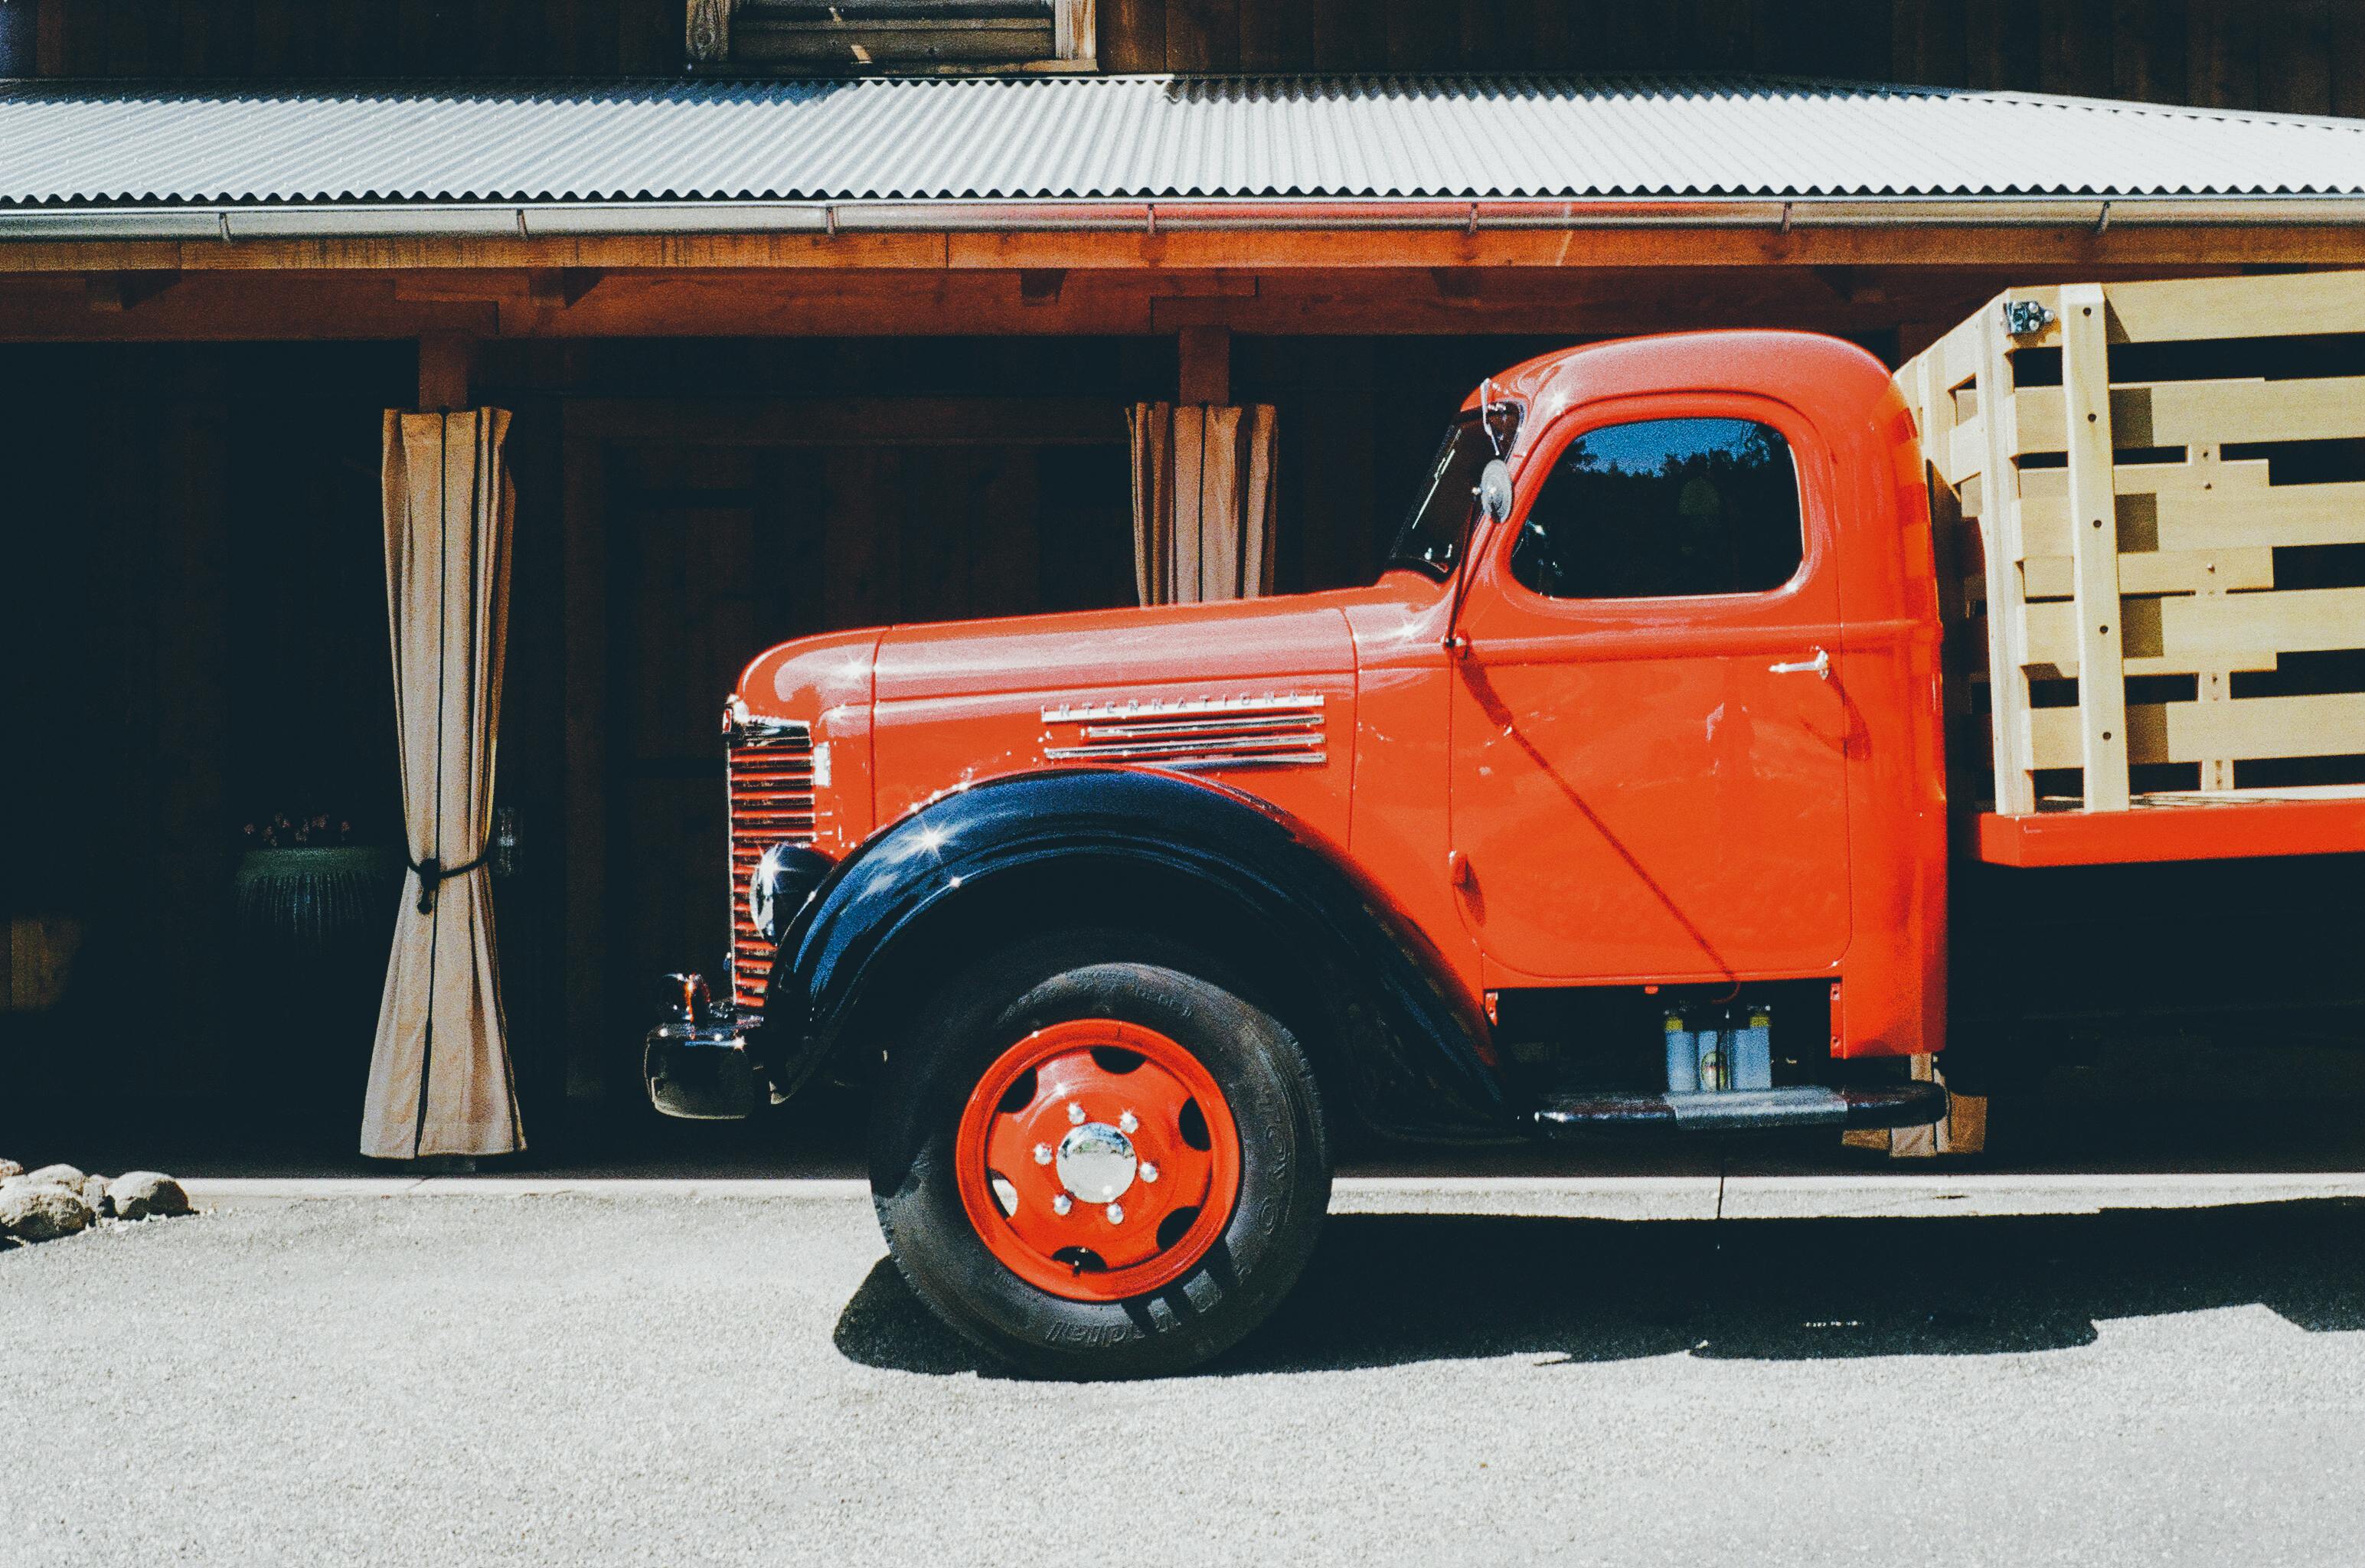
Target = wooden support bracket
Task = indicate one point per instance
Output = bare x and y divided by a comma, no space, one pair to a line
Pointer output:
1207,365
117,292
446,360
563,288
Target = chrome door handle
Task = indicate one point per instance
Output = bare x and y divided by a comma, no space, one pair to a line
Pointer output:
1819,667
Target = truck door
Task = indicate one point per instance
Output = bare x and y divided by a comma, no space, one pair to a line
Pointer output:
1649,756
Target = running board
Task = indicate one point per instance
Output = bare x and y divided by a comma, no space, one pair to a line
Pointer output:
1910,1105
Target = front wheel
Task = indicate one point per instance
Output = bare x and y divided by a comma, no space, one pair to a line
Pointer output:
1095,1165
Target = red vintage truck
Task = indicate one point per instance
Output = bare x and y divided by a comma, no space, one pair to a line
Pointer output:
1620,802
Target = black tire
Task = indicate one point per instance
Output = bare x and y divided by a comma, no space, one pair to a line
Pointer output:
1284,1186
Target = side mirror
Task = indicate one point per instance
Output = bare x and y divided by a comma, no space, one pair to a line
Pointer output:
1495,489
1494,505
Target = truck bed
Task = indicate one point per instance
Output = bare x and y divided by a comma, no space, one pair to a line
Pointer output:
2156,624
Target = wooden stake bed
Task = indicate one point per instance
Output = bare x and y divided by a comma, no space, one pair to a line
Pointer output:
2149,501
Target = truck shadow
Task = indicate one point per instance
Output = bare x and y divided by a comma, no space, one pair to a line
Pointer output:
1388,1290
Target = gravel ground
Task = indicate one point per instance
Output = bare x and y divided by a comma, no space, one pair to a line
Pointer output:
570,1379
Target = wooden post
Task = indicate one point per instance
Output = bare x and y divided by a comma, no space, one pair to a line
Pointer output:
2015,789
2094,535
445,360
1074,31
1206,363
706,31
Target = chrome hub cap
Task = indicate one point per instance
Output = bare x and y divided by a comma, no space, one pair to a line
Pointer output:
1096,1162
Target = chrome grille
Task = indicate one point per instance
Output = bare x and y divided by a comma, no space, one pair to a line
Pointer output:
770,775
1198,732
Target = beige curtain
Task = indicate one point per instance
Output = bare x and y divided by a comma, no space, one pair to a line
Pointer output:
1203,487
440,1080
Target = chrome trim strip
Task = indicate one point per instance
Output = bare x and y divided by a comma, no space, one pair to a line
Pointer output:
1204,727
1247,746
1182,708
1225,760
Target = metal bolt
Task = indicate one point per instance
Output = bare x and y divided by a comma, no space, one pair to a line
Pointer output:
1148,1173
1129,1123
1042,1154
1117,1213
1062,1203
1075,1113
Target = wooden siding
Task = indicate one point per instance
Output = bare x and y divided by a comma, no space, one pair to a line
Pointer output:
2301,56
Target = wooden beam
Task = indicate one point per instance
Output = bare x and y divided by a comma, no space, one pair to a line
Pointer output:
1207,365
787,422
445,360
2074,246
1571,302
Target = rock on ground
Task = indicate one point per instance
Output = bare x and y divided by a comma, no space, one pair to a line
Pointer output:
61,1175
32,1213
94,1190
9,1168
139,1194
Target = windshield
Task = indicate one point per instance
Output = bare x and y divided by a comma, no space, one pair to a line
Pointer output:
1430,540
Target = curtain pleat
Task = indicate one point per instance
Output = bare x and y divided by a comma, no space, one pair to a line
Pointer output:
439,1074
1203,500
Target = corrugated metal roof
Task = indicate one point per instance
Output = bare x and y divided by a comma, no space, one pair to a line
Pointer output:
1151,137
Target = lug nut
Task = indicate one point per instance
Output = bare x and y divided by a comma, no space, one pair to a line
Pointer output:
1117,1213
1148,1173
1075,1113
1042,1154
1129,1123
1062,1203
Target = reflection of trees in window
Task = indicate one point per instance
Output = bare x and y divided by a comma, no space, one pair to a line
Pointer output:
1664,508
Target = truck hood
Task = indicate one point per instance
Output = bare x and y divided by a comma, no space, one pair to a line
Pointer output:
1112,651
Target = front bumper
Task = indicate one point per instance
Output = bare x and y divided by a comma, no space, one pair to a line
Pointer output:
700,1070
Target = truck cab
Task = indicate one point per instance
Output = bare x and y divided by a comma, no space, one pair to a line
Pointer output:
1617,801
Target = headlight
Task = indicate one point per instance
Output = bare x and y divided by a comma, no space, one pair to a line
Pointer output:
783,880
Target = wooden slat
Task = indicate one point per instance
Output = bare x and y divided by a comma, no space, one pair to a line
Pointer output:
2209,413
2328,725
2181,309
2198,506
1967,452
2233,516
2157,572
2094,547
2331,724
2015,791
2243,631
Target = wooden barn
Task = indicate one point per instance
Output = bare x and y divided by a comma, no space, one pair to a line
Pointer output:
808,317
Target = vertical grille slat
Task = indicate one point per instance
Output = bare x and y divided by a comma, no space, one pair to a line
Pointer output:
769,779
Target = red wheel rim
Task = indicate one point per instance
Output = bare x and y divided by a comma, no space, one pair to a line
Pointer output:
1097,1160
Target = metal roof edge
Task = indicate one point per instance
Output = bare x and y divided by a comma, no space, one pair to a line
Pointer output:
530,221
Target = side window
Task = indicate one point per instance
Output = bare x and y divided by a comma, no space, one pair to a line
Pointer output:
1663,508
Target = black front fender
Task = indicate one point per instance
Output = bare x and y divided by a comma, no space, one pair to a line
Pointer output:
1398,1029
